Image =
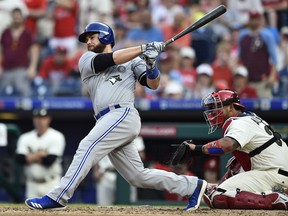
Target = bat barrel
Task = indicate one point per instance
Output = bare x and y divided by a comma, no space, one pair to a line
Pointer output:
199,23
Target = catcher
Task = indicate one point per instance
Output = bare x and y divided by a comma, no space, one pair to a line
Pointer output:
257,176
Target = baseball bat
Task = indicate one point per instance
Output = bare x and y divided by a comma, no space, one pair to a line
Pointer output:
199,23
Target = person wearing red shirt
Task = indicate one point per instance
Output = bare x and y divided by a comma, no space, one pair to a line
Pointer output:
241,85
221,64
179,24
19,55
65,16
37,10
55,69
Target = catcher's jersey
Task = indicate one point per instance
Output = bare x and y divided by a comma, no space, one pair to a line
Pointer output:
250,133
52,141
114,85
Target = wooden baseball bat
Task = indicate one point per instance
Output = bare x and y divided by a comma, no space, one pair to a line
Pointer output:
199,23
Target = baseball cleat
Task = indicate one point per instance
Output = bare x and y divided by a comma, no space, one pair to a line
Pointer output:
195,199
43,203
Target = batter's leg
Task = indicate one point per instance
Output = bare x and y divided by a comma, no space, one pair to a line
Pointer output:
128,163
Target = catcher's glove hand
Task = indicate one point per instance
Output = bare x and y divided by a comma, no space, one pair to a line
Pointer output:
183,153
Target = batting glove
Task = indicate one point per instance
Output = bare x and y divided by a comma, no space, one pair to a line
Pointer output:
150,56
159,46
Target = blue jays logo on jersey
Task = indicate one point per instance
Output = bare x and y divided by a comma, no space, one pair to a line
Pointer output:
114,79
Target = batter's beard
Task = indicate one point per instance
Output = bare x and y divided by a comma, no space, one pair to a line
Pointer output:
98,48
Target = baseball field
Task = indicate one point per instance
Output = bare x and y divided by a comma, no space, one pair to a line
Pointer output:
145,210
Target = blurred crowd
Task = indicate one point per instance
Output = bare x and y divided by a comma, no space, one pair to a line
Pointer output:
245,49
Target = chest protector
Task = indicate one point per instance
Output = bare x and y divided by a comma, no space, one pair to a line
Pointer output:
244,158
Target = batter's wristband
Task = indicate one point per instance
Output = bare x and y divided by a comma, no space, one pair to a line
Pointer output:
198,150
153,73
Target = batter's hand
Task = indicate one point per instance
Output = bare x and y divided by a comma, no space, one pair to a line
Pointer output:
159,46
150,56
183,153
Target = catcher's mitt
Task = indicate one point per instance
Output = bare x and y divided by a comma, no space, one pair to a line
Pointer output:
183,153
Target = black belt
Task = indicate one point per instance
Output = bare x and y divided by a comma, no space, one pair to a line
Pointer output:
283,172
106,110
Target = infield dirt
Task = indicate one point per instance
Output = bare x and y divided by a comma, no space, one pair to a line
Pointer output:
21,210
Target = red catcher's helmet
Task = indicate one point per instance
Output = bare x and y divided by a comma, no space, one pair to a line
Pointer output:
213,105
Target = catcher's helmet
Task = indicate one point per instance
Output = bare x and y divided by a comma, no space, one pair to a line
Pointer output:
214,103
106,35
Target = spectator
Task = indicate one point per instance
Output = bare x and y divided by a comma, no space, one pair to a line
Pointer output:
18,57
180,22
195,11
204,82
220,26
221,65
146,32
37,10
64,15
41,151
187,69
279,10
164,13
133,15
283,83
241,84
173,90
56,71
204,42
6,7
238,11
283,48
282,90
89,11
121,30
233,39
257,52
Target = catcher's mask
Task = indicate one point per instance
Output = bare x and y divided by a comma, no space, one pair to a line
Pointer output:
213,105
105,36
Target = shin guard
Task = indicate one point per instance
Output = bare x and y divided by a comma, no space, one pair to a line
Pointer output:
249,200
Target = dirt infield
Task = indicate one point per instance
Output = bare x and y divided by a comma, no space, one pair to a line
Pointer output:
21,210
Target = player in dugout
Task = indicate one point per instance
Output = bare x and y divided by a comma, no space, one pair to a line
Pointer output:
257,176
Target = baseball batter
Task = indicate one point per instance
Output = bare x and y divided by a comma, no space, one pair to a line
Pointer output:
41,150
110,78
262,179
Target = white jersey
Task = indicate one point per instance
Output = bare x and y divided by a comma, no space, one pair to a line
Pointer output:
114,85
250,132
53,142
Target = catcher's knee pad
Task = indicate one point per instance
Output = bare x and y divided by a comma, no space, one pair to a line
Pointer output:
249,200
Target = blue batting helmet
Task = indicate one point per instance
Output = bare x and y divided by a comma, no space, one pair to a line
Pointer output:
106,35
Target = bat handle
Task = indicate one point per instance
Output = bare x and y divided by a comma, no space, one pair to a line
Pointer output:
169,42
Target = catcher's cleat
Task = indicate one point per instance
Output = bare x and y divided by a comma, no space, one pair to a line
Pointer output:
195,199
43,203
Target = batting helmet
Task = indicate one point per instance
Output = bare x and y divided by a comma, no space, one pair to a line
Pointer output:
214,103
106,35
